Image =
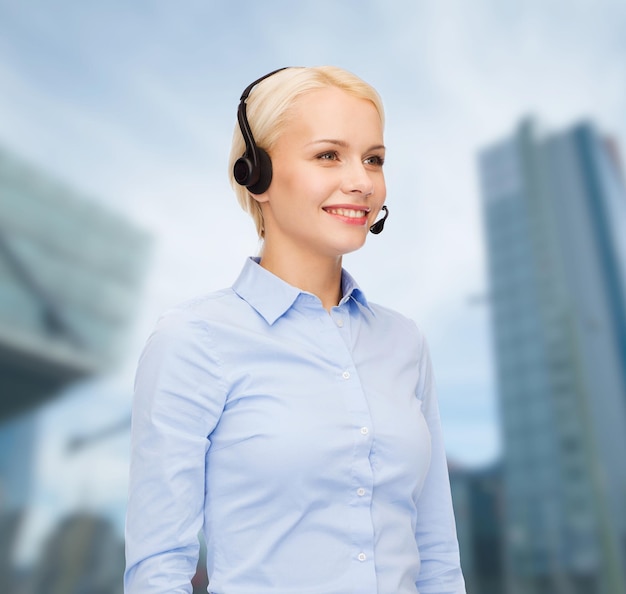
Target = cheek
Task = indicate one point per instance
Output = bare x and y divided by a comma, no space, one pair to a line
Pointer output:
310,187
382,186
284,193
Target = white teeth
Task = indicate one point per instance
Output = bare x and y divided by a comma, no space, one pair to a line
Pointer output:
347,212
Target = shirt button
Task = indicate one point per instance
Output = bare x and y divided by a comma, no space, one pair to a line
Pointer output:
361,556
364,430
360,491
346,375
339,322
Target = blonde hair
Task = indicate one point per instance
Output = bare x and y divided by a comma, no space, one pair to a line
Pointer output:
268,110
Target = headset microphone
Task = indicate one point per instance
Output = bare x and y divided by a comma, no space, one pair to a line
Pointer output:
254,168
378,226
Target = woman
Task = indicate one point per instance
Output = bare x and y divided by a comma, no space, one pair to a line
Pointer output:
287,417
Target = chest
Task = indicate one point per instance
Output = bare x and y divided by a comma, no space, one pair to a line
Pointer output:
306,403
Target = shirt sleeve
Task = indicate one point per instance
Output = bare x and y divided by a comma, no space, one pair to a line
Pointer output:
179,396
435,530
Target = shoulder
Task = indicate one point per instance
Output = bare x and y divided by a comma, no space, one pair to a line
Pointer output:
184,347
200,312
180,369
210,306
190,323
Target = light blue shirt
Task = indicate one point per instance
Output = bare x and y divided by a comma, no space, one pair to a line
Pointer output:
306,445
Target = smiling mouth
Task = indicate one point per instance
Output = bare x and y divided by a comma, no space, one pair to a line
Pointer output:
350,213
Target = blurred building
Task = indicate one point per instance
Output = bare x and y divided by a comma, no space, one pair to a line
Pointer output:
555,218
70,272
17,439
83,555
477,497
70,275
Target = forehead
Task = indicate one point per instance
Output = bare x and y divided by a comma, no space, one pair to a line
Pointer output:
331,98
332,110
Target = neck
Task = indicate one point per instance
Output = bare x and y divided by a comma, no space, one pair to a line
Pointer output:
319,276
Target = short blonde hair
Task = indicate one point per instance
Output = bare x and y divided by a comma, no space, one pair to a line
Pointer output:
268,108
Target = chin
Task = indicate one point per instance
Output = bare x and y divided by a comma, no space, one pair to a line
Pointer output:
348,247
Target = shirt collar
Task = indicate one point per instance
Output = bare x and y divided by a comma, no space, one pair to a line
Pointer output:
350,290
272,297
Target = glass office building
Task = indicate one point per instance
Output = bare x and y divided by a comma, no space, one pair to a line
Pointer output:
555,219
70,274
477,499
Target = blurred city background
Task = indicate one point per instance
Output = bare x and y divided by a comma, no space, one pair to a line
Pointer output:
506,243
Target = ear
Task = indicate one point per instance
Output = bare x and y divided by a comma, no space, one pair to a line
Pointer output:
260,198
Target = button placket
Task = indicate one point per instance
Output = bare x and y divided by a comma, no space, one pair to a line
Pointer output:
339,324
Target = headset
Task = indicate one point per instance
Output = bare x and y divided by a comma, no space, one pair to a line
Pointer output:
254,168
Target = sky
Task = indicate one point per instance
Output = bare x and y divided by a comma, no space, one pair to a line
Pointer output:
134,104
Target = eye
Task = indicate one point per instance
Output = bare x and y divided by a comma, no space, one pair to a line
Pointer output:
375,160
328,156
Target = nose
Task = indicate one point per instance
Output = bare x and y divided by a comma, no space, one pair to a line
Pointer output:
358,180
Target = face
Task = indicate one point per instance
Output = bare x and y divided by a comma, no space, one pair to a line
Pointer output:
328,184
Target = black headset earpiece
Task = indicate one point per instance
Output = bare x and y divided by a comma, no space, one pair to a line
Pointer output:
254,168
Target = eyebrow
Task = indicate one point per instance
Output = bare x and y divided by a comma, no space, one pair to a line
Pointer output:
343,143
